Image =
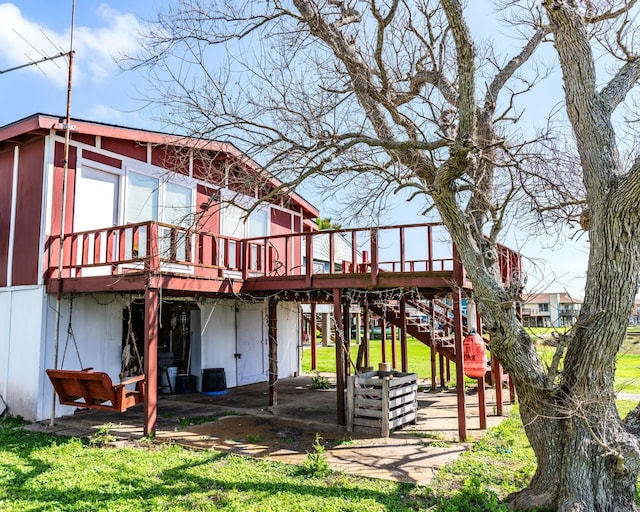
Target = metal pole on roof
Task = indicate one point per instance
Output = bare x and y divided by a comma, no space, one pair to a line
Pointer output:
67,137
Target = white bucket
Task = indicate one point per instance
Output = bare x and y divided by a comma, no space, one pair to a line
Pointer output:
168,379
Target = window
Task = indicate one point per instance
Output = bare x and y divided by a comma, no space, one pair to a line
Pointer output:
543,307
148,199
142,198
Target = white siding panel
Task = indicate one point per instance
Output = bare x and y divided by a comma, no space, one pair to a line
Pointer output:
97,329
289,339
218,337
21,372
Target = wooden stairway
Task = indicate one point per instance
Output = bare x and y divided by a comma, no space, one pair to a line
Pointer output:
436,332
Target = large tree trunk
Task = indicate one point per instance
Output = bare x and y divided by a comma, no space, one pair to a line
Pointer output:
575,471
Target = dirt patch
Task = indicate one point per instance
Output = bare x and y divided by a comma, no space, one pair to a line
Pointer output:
262,436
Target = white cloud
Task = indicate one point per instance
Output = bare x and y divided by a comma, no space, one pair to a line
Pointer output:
96,48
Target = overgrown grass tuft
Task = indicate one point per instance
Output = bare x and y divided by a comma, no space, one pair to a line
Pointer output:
503,462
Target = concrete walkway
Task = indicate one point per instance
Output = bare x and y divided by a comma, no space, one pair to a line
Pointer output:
240,422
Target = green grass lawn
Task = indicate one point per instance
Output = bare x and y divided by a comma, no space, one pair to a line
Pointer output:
627,371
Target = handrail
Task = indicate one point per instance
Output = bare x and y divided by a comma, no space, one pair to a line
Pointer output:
155,246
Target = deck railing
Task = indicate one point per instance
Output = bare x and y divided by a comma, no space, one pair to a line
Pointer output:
158,247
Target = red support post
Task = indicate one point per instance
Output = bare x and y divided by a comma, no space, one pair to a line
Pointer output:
151,360
404,355
346,333
482,401
273,352
312,336
460,391
393,347
366,335
340,380
383,339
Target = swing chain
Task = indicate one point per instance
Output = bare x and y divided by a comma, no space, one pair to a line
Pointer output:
71,336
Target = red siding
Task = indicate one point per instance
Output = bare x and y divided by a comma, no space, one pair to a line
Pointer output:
6,178
89,140
26,248
211,171
280,225
170,158
208,209
103,159
280,222
130,148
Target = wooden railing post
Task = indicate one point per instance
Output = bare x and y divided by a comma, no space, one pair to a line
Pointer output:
309,260
153,248
374,256
246,252
458,269
402,254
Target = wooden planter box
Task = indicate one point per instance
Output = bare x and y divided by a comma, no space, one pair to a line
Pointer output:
380,402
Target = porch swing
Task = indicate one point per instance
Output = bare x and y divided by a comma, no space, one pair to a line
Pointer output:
95,390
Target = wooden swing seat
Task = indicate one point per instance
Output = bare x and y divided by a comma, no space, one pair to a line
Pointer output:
95,390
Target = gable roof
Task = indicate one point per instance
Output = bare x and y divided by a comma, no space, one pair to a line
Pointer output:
545,298
41,124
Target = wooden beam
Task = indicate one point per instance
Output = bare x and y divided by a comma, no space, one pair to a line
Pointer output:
393,347
404,356
346,336
313,326
433,351
383,340
366,336
482,401
273,352
340,382
151,360
496,370
460,391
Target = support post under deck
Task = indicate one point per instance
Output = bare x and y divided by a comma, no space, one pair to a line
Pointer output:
404,356
482,400
312,336
273,352
460,391
340,380
151,360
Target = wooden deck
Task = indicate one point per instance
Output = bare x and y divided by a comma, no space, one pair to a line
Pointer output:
181,260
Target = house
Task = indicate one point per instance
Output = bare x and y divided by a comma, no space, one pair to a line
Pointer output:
550,310
124,177
128,250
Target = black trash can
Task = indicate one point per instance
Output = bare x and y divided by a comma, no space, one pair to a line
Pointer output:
214,381
186,384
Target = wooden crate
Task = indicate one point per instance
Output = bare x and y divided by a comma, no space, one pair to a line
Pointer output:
380,402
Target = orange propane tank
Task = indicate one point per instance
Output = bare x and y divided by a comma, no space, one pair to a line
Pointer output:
475,356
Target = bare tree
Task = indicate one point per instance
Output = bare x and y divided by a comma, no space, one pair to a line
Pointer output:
381,96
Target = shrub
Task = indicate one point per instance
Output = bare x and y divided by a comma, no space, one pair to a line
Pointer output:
320,382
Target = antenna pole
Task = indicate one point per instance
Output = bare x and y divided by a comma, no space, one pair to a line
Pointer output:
67,137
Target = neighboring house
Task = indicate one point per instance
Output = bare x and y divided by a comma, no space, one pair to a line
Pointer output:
634,318
550,309
127,188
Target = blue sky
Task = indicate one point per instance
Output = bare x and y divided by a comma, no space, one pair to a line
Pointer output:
105,30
